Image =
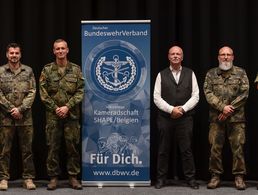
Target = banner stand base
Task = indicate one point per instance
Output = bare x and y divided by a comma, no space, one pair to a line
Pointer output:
130,184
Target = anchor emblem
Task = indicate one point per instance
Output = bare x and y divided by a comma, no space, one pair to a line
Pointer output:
116,74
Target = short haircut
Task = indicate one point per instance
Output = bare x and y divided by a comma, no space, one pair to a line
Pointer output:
60,40
14,45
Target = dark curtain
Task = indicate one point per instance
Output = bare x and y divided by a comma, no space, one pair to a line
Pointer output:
200,27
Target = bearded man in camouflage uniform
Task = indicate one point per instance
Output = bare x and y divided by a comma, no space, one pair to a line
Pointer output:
256,83
62,90
226,89
17,93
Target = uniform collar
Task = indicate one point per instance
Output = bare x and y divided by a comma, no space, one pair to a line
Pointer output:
55,66
7,67
230,71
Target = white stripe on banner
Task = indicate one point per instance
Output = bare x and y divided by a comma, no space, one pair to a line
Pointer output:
116,107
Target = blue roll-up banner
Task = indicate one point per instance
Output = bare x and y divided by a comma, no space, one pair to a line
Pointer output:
116,107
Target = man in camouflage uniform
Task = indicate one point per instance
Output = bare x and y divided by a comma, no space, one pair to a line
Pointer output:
226,89
17,93
256,83
61,90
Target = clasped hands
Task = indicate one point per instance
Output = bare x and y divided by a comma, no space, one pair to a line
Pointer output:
15,113
227,111
62,112
177,112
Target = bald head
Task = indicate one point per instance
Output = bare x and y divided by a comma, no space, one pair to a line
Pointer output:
175,57
225,57
175,48
227,49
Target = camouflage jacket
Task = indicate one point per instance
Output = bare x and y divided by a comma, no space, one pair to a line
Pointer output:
16,90
226,88
58,90
256,79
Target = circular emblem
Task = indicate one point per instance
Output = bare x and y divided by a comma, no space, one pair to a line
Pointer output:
115,70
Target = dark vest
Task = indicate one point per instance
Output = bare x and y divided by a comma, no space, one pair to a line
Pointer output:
173,93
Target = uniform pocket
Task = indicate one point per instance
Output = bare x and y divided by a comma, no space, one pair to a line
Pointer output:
71,84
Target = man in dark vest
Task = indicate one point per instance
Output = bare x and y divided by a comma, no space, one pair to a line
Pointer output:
176,93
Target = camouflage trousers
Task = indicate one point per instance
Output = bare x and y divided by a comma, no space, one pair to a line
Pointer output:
25,135
56,130
235,132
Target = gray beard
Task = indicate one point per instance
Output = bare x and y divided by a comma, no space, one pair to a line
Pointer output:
225,65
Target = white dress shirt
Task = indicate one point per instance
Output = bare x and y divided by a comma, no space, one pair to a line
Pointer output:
163,105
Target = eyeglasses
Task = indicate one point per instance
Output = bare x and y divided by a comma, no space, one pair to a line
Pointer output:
225,54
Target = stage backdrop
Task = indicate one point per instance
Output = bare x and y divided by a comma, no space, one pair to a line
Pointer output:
116,107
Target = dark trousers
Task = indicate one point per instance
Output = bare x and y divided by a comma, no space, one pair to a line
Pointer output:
182,128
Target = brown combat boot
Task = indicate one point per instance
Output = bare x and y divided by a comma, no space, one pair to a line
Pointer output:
29,185
239,182
214,182
74,183
3,185
52,183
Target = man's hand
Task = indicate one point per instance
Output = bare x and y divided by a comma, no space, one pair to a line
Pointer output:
227,111
177,112
15,113
62,112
